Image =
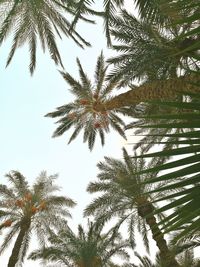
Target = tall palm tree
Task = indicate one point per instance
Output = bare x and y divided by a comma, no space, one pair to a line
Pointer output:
90,248
94,110
125,195
82,113
144,46
31,21
41,20
24,210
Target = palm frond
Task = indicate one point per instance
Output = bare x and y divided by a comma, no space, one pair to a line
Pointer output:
186,213
38,21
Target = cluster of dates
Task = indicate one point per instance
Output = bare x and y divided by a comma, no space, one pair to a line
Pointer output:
26,203
100,117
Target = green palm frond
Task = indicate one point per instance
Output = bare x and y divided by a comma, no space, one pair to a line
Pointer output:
186,215
5,191
161,135
144,261
110,10
9,237
82,114
184,13
33,21
146,51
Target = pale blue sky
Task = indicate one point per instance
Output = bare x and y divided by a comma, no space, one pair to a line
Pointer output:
26,143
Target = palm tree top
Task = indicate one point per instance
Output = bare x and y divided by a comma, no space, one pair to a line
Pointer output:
82,112
87,248
124,194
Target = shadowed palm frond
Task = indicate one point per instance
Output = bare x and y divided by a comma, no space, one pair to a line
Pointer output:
149,137
147,52
125,196
185,213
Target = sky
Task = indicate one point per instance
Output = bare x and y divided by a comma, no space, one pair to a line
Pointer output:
26,143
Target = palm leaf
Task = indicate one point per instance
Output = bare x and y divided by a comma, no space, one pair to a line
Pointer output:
30,22
187,212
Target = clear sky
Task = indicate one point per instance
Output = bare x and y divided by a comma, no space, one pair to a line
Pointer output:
26,144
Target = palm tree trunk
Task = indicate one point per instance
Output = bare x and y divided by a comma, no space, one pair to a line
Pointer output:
25,225
161,89
145,210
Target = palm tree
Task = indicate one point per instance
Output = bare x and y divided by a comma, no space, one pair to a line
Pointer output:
155,12
33,20
125,195
94,109
183,249
25,210
91,248
82,112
